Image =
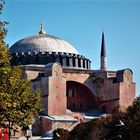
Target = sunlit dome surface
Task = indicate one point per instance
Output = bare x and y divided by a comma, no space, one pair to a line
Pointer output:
42,43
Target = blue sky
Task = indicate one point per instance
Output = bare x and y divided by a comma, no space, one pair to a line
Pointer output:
80,23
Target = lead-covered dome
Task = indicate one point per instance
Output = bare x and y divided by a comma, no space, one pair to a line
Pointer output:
42,43
43,49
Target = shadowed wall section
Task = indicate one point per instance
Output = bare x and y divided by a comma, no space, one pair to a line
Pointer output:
79,97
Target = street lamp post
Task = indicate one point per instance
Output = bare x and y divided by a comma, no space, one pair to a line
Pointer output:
27,132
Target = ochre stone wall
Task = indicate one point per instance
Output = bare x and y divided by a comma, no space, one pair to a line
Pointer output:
103,90
57,92
127,95
127,89
76,76
116,91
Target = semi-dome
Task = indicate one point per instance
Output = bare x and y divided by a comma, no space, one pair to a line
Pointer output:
42,43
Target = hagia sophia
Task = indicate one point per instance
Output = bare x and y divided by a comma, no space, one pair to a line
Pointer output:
70,90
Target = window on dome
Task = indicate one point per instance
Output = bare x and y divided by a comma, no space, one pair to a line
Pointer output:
67,61
83,63
60,60
79,62
51,59
37,59
73,61
87,64
64,61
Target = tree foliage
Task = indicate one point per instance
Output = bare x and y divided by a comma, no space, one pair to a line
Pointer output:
109,127
131,119
90,130
18,104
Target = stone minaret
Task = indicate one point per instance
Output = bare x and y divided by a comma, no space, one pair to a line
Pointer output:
103,54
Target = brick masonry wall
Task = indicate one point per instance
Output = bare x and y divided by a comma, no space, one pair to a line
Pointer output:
103,90
127,95
57,92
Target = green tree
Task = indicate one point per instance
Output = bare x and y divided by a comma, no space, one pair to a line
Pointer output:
18,104
122,124
132,121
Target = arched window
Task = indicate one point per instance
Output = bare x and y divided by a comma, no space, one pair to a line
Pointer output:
81,106
28,59
73,61
73,105
83,63
64,61
79,62
69,93
60,60
37,59
51,59
87,65
73,92
67,61
56,58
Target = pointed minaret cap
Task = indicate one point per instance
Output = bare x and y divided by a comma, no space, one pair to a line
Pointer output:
103,54
42,31
103,49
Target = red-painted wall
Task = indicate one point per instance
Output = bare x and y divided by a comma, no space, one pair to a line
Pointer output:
4,134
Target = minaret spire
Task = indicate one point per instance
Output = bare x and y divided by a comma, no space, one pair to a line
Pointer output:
103,54
42,31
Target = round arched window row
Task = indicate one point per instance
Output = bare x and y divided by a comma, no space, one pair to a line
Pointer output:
65,59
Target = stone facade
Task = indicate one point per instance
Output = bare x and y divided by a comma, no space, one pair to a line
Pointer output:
82,90
44,124
66,81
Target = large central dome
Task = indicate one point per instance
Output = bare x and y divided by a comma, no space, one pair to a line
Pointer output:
42,43
43,49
